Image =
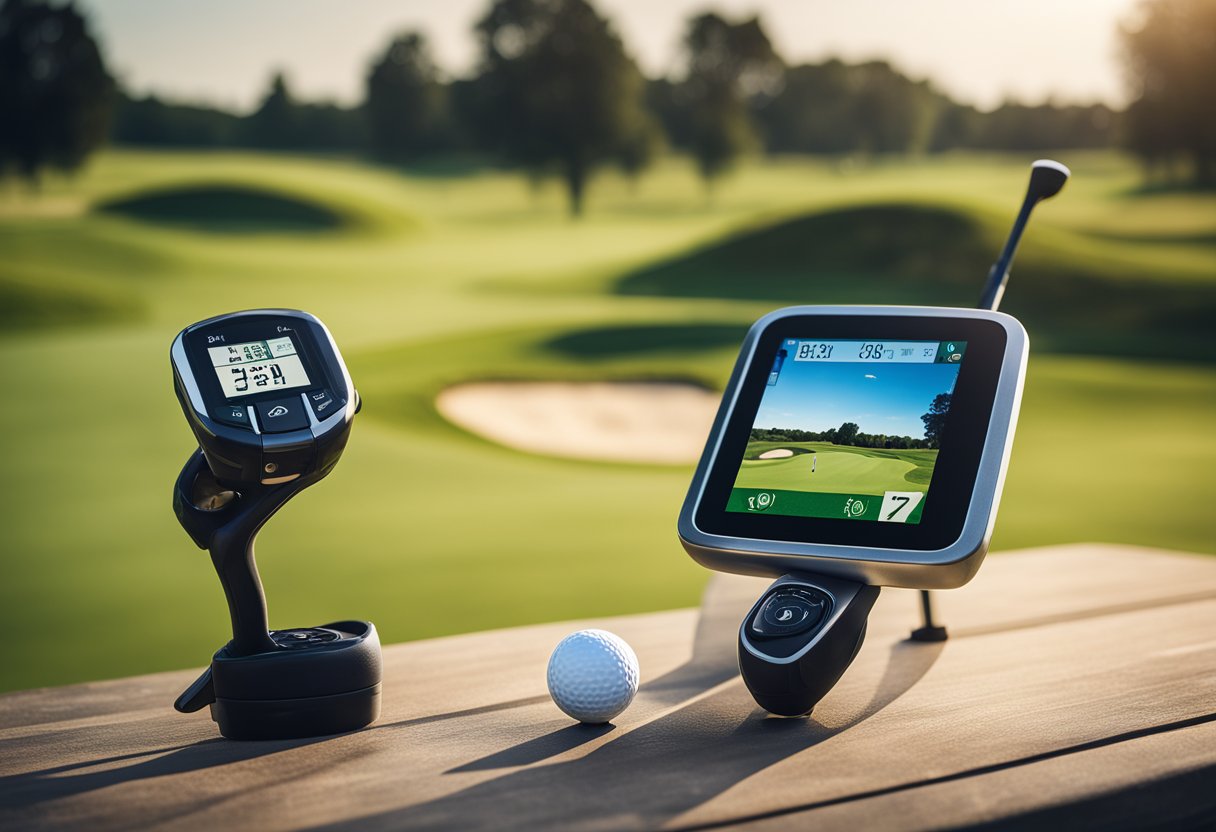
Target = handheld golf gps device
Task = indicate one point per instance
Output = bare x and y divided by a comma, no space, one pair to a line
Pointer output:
856,447
271,405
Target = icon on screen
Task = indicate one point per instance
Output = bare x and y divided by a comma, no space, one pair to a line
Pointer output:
761,502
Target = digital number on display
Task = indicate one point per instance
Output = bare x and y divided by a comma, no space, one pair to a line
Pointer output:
258,366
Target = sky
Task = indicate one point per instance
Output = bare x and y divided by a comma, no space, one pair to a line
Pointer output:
222,52
879,398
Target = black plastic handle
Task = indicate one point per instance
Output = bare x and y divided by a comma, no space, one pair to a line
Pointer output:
800,637
228,530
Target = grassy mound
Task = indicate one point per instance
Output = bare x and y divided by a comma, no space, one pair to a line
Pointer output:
226,209
1069,299
843,255
644,339
30,303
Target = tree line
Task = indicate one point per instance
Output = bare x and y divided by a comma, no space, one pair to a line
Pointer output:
556,92
849,433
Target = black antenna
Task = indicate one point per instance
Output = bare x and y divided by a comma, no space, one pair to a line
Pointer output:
1046,180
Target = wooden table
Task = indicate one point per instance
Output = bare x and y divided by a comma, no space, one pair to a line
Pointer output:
1078,687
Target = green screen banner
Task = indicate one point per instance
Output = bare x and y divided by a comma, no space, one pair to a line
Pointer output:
819,504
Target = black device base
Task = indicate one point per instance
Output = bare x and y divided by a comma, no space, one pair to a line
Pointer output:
800,637
281,719
316,681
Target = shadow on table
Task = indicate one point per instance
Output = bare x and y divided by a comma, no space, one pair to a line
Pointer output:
1183,801
663,768
31,788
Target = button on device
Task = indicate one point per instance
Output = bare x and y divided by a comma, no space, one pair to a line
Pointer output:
790,611
303,638
280,415
323,403
232,414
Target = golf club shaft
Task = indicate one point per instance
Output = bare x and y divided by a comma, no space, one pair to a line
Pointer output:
994,290
998,275
1047,177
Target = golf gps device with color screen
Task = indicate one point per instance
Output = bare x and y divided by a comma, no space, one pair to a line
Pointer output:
271,404
857,447
868,443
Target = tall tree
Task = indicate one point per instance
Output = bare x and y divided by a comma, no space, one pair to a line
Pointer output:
835,107
406,105
556,89
846,434
935,419
638,150
275,124
1171,60
56,97
726,65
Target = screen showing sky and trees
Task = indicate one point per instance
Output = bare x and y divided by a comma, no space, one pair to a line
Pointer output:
848,429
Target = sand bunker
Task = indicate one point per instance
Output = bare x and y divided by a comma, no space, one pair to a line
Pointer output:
617,421
776,453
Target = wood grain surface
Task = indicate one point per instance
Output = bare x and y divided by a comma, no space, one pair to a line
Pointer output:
1078,689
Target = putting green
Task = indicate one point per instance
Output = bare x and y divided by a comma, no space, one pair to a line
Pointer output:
836,470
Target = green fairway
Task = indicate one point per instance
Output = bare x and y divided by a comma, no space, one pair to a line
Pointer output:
430,280
837,470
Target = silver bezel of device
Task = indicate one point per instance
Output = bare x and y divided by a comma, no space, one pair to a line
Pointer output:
944,568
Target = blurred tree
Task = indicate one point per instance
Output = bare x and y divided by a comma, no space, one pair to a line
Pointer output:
56,96
955,127
324,126
1014,126
812,113
283,123
151,121
727,64
556,89
662,100
406,105
893,114
1171,62
639,149
835,107
275,124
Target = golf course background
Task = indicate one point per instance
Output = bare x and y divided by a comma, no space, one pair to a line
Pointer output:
431,277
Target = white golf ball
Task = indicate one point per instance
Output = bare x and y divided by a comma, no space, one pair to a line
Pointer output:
593,675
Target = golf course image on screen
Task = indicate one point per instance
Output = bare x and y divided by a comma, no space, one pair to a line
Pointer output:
848,430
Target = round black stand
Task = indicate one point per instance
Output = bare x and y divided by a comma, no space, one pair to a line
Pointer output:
800,637
270,685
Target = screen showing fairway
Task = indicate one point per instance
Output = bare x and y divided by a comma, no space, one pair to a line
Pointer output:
848,429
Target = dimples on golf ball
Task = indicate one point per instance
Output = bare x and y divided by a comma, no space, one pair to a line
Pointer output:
593,675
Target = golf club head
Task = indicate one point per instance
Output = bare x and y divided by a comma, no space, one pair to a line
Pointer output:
1046,179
